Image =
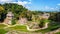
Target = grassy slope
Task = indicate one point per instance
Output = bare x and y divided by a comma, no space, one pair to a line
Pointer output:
2,26
50,28
19,28
57,33
2,31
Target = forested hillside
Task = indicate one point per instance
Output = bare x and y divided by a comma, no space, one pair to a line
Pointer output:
20,11
15,8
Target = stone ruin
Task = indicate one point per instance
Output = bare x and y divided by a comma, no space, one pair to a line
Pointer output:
22,21
45,16
35,24
9,18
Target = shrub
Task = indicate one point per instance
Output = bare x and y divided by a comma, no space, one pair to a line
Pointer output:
42,22
13,21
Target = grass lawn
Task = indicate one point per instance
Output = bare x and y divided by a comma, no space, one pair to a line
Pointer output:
2,26
19,28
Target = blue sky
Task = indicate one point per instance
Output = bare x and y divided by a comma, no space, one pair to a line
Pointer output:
43,5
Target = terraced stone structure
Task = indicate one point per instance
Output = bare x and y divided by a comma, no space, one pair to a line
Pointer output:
9,18
22,21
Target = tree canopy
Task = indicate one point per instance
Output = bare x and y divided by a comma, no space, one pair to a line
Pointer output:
14,8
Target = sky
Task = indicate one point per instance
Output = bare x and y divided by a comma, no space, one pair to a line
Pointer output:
42,5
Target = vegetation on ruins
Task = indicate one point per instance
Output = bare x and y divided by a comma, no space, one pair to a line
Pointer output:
32,16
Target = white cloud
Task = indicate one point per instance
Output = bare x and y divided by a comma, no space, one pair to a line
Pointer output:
58,4
30,0
19,2
6,1
46,7
27,6
22,3
50,8
14,1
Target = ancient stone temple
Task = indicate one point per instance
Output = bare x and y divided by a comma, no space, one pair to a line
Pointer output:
39,17
22,21
9,17
45,16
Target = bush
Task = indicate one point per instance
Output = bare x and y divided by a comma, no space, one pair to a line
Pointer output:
43,21
13,21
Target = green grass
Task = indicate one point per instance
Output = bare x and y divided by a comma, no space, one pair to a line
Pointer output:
24,29
19,28
2,31
57,33
50,28
2,26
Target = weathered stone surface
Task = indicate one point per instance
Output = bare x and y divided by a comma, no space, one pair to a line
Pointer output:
22,21
9,17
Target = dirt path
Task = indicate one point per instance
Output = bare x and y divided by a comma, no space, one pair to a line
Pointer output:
52,32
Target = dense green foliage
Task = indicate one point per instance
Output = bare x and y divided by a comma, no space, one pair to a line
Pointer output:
43,21
13,22
55,16
20,11
15,8
2,31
